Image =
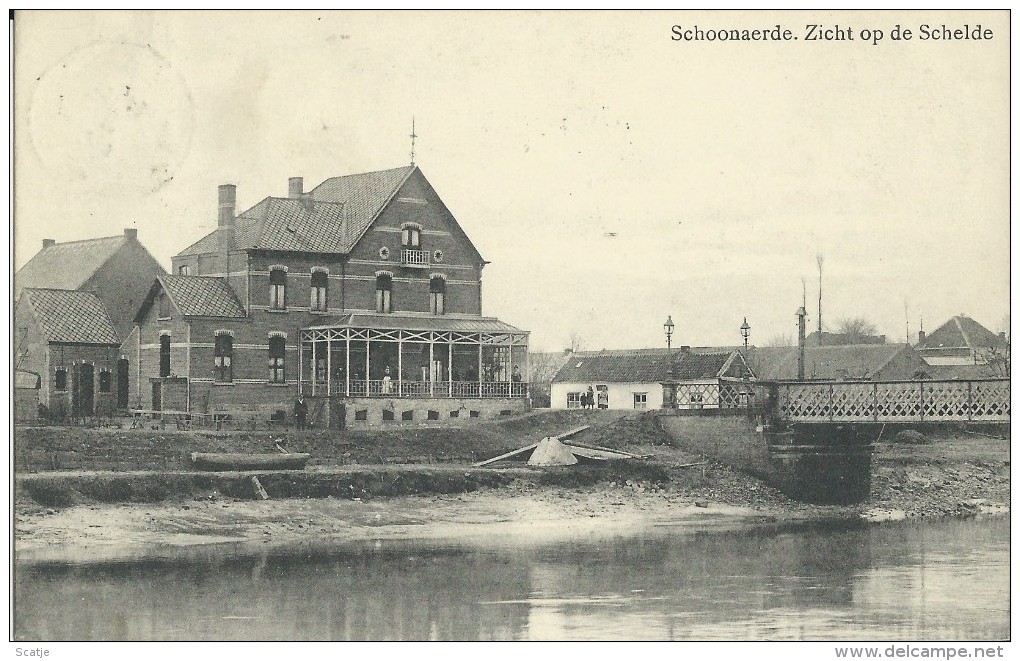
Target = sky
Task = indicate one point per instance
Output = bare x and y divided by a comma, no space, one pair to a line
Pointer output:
611,175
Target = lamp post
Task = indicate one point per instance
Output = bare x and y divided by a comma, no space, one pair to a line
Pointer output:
745,332
669,399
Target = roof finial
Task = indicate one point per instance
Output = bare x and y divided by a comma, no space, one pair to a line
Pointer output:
412,136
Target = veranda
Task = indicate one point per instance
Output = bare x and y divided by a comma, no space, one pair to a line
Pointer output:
427,357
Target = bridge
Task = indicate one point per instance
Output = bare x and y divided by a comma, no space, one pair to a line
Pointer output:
983,400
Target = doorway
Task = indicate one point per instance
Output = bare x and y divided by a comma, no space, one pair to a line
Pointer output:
83,395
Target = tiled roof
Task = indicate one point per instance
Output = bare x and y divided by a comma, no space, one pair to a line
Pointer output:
961,331
462,324
364,195
962,372
76,317
66,265
331,219
643,365
855,361
202,296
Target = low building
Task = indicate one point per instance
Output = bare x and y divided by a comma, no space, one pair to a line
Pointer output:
633,378
68,339
860,362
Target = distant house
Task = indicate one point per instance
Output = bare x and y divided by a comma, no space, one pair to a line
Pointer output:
826,339
116,268
859,362
962,348
68,339
633,378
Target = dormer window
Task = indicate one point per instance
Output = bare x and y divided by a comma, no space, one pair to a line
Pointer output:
437,294
184,269
410,236
277,289
320,285
383,292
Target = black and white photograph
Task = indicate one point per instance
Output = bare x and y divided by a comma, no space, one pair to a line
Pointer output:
511,325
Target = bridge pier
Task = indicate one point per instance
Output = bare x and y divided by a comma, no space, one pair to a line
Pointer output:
822,463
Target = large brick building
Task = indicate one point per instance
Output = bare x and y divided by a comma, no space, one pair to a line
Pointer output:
364,290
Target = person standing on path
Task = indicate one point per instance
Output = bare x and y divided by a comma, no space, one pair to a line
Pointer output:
300,412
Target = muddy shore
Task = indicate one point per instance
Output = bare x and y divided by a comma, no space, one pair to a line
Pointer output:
90,515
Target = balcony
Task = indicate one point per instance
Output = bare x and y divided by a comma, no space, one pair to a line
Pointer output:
416,259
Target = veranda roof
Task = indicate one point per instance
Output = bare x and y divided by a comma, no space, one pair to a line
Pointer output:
393,321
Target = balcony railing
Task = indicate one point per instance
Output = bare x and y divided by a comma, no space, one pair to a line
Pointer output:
422,389
415,258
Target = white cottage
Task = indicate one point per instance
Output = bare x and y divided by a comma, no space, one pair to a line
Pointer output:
633,378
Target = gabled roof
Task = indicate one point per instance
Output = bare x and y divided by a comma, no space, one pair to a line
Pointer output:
395,320
73,317
67,265
645,365
961,332
195,296
854,361
364,195
330,218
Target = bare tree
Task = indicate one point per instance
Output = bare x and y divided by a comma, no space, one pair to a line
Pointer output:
780,340
856,330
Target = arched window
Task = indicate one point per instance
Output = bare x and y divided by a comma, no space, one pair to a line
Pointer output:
437,295
277,352
383,291
320,284
223,358
164,355
277,289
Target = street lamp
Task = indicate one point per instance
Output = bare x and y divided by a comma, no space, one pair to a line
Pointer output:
669,393
745,332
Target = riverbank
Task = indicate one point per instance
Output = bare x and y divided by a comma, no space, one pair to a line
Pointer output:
78,515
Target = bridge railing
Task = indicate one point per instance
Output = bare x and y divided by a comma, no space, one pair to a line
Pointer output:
983,400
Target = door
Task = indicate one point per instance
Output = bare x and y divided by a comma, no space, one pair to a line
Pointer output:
122,383
83,400
157,396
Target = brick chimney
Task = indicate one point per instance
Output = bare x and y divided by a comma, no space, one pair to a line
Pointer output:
46,243
227,195
227,204
295,187
131,233
920,337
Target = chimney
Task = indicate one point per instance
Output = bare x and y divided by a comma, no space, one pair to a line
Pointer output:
295,187
227,203
685,349
920,337
131,233
801,328
46,243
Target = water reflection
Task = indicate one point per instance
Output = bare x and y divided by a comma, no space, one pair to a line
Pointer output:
908,581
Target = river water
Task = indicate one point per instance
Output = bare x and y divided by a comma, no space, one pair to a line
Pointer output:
893,581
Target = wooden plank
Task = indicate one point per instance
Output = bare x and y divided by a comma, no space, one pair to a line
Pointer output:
568,434
505,456
573,444
258,488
